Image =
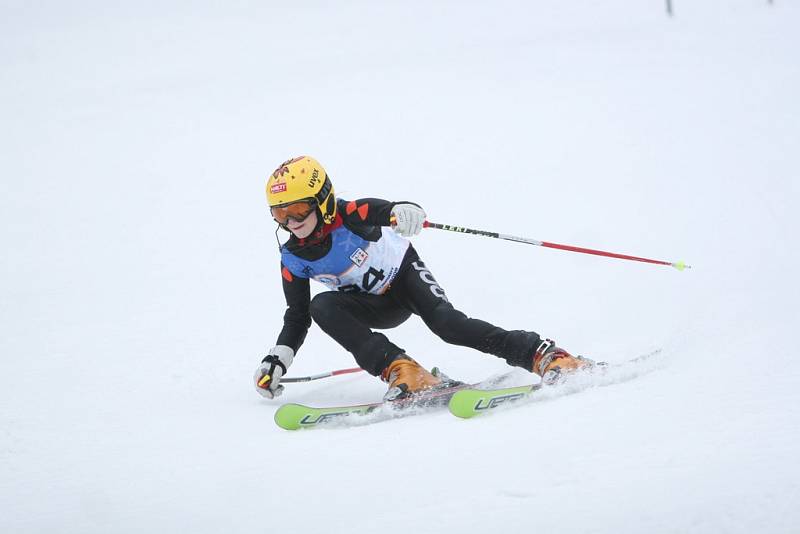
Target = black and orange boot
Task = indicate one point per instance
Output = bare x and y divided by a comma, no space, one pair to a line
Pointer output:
406,378
551,362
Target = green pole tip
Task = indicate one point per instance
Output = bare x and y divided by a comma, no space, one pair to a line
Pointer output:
681,265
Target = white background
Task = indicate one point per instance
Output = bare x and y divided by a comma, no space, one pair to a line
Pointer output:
139,280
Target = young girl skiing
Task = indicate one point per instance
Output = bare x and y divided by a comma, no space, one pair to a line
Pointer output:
358,250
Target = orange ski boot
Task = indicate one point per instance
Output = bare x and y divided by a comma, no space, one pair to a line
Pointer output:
406,377
551,362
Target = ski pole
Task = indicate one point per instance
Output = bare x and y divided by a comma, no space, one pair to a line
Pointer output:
678,264
321,375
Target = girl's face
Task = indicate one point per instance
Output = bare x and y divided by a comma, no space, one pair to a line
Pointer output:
303,229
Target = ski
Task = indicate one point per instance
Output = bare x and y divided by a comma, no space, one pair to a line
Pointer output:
469,402
292,416
463,400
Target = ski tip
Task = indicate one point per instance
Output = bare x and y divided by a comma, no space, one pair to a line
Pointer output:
461,403
288,416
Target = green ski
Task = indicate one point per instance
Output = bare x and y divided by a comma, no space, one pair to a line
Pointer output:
295,416
471,402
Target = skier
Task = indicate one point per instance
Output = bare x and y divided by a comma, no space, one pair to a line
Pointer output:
358,250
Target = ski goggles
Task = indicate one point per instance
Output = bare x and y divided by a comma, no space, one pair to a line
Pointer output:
296,211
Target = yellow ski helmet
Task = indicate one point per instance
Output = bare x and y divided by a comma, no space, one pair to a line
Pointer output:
302,178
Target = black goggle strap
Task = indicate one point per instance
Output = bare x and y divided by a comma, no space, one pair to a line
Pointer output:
325,194
324,191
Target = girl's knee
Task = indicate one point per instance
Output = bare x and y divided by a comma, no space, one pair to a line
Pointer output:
323,306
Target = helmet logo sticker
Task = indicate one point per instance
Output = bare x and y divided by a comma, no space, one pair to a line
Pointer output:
278,188
284,167
314,178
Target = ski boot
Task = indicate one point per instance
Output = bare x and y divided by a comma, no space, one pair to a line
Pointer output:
406,377
552,363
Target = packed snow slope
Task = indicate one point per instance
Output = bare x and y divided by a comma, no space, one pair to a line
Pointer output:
139,280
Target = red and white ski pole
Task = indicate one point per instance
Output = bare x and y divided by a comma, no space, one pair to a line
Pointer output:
678,264
309,378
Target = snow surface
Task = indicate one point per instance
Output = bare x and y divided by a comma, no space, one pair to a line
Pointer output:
139,282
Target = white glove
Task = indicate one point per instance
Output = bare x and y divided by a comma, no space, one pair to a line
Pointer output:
408,219
273,367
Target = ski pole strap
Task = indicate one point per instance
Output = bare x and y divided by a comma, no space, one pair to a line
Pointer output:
570,248
274,362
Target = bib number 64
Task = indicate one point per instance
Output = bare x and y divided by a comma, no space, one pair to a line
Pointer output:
368,281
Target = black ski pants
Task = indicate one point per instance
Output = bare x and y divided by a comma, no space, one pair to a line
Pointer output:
350,317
